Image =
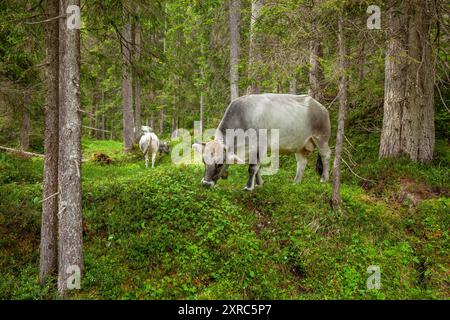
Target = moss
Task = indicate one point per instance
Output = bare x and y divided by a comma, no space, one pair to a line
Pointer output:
157,234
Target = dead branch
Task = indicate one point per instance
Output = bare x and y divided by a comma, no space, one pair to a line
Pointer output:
95,129
47,20
22,152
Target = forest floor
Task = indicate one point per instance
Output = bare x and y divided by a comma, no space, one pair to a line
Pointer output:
158,234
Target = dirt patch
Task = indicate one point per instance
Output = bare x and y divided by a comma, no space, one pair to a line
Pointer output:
101,158
262,222
413,192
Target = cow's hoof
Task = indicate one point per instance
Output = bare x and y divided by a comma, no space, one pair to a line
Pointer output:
323,180
248,189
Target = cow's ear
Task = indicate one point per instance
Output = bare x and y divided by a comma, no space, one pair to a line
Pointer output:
231,158
197,147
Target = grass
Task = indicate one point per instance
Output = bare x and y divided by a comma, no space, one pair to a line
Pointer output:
157,234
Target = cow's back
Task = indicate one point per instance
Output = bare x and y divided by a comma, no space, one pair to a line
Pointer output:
148,142
297,117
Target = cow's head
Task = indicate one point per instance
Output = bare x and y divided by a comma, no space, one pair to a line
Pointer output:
163,147
216,158
145,129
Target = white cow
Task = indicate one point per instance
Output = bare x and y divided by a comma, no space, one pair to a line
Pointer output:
150,144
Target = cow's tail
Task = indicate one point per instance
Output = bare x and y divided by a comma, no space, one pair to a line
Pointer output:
148,146
319,165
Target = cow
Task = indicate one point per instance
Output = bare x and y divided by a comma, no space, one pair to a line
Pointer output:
150,144
302,123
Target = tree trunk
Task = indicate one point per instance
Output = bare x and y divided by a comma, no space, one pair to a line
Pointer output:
254,54
92,120
408,119
103,117
174,126
97,100
235,17
395,81
362,63
26,125
103,127
418,113
201,115
336,198
315,70
70,227
48,245
137,82
97,126
127,88
151,122
293,86
111,133
161,121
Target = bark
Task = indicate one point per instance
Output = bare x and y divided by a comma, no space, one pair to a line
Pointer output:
235,17
408,118
362,62
279,88
26,126
96,101
70,227
97,126
315,70
254,54
111,133
92,120
395,82
418,113
174,126
127,89
293,86
48,245
336,198
161,121
137,82
201,114
103,127
151,121
103,118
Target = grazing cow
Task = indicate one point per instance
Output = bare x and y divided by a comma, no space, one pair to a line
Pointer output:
150,144
302,123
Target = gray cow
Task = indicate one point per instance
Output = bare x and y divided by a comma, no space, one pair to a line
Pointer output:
302,123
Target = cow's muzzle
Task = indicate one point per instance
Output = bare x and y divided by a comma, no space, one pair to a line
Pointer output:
209,184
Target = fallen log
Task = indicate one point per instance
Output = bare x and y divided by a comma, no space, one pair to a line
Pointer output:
27,153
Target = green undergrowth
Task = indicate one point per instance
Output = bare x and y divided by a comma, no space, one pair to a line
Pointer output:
157,234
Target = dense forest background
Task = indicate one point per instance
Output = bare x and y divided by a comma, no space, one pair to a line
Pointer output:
169,63
184,55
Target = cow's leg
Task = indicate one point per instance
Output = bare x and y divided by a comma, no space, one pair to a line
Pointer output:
324,153
259,181
146,160
153,158
252,171
301,164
